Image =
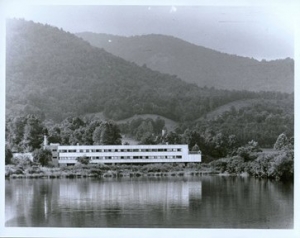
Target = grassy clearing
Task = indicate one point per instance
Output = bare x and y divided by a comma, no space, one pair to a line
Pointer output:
227,107
169,124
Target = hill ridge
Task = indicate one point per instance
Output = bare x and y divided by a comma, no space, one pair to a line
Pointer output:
198,64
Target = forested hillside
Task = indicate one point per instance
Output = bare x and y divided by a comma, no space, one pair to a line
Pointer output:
55,75
196,64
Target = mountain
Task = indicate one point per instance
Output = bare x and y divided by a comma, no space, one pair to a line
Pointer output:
54,74
196,64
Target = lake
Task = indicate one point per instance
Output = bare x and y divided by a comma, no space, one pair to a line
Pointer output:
150,202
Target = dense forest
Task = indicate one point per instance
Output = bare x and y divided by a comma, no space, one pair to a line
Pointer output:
26,133
197,64
61,75
223,153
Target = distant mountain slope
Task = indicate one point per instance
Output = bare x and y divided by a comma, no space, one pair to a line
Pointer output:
282,105
55,74
196,64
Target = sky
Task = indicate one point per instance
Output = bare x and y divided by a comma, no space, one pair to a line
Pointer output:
261,32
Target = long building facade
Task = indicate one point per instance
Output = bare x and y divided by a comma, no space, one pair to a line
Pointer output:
123,154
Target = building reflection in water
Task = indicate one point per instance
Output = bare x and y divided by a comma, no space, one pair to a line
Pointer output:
98,203
193,202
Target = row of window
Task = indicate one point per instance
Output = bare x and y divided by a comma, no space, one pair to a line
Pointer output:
120,150
125,157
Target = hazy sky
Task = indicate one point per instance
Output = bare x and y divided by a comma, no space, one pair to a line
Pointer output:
258,32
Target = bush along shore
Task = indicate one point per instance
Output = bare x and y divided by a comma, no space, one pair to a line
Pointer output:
101,170
279,166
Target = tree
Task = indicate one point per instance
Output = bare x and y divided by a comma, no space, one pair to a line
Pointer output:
143,129
33,134
283,143
77,136
159,124
8,155
248,152
87,138
15,132
44,157
107,134
195,148
54,134
97,135
191,138
148,139
173,138
83,160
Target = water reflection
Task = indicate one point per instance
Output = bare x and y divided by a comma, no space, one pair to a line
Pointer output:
206,202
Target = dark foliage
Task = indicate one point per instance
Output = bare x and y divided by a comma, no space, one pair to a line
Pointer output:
24,133
83,160
8,155
44,157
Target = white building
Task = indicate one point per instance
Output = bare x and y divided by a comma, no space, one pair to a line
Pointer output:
116,154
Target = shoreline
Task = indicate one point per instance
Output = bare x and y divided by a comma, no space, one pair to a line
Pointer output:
58,173
110,174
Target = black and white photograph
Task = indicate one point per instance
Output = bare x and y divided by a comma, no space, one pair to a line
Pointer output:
148,117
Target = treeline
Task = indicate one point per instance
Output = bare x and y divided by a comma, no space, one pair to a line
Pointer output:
277,165
146,131
216,138
26,133
223,153
262,121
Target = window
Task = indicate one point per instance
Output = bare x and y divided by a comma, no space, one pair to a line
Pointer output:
178,156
